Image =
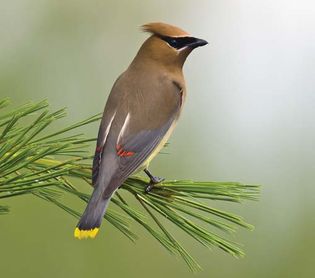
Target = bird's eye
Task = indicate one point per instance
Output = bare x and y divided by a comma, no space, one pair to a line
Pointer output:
173,42
176,43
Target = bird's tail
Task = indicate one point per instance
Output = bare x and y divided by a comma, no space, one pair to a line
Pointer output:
91,219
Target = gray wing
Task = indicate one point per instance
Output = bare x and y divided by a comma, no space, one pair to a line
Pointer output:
140,122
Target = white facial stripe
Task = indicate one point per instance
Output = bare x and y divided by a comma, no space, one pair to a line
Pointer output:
123,129
108,127
176,50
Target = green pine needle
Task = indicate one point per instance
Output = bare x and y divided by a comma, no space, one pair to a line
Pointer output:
45,164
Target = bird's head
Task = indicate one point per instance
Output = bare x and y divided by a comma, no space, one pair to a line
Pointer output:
168,44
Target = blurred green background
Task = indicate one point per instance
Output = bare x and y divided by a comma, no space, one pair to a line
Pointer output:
249,117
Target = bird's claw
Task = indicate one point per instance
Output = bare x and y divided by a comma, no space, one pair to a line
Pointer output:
149,187
153,181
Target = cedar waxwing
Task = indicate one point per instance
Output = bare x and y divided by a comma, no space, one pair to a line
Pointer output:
139,117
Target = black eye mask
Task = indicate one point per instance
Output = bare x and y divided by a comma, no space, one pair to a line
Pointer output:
179,42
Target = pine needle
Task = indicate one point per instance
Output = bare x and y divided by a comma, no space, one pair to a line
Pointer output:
45,164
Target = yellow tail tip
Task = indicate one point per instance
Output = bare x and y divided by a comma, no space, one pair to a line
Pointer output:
82,234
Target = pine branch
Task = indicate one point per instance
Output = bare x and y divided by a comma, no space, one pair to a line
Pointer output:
45,164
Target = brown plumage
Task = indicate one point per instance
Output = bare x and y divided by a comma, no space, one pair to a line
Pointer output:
140,115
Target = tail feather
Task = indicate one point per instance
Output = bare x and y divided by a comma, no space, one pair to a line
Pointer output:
91,219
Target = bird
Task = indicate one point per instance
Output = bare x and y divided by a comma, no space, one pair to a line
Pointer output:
140,114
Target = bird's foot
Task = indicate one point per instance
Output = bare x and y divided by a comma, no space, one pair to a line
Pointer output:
149,187
153,180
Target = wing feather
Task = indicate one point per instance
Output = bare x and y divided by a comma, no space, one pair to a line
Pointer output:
140,122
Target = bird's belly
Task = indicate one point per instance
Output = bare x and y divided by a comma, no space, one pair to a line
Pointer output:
157,149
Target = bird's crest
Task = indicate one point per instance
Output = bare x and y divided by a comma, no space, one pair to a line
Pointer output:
163,29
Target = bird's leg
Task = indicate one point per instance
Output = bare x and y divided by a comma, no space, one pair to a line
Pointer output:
153,180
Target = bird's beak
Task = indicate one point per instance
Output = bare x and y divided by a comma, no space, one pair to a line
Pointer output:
197,42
